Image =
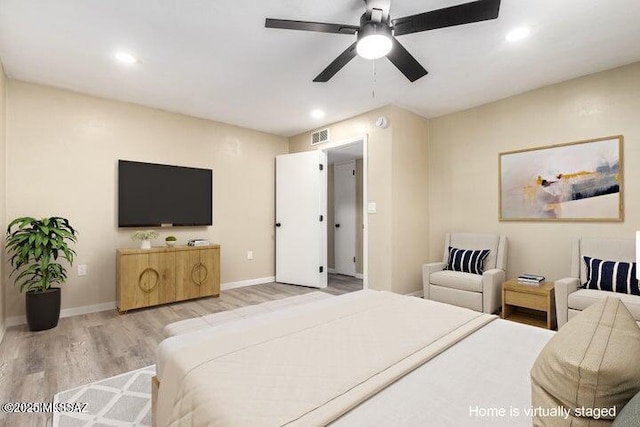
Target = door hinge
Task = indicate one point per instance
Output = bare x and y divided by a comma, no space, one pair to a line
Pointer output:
321,218
321,269
321,166
354,172
354,259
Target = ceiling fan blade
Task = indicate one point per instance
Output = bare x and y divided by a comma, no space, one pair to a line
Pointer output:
337,64
321,27
405,62
481,10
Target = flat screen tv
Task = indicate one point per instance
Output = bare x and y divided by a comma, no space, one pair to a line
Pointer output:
160,195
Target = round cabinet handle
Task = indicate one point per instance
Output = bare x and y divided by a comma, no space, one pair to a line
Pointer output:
196,276
148,272
337,225
278,224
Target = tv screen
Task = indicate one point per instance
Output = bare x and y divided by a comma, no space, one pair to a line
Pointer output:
154,195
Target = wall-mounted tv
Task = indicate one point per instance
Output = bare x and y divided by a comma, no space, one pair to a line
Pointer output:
153,195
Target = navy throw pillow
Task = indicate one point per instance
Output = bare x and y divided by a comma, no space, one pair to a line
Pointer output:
467,260
612,276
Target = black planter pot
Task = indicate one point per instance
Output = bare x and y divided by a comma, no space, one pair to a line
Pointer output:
43,309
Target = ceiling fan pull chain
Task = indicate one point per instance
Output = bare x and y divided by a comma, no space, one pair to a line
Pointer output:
373,89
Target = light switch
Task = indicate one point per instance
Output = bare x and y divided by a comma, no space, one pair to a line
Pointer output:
249,255
82,269
371,207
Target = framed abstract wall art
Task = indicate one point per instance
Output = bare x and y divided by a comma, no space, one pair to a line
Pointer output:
577,181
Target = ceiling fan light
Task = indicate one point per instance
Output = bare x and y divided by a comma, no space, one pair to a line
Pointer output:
517,34
374,46
126,58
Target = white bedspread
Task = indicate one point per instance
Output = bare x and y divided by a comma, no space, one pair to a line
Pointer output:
310,368
481,381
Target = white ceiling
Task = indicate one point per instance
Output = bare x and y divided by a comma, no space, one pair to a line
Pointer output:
214,58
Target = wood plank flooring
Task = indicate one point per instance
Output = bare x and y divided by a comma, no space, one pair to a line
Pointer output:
36,365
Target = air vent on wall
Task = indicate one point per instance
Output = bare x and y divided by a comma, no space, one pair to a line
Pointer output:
320,136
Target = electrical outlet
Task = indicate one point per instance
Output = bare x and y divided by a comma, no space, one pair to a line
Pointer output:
249,255
82,269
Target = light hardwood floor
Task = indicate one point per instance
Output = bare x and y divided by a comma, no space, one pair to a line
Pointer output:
36,365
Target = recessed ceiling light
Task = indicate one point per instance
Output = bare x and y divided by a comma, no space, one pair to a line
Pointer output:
317,114
126,58
517,34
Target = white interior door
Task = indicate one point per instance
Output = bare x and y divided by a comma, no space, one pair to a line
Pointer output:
344,193
301,235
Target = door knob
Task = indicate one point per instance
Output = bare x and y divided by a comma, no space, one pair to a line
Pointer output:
278,224
337,225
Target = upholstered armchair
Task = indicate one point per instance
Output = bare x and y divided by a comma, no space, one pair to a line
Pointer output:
571,298
480,292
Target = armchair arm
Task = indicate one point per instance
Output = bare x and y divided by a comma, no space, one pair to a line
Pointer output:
492,281
562,289
427,269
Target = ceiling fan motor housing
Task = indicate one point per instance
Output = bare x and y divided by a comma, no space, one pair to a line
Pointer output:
369,27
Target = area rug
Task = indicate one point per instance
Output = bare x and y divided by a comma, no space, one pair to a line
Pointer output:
122,401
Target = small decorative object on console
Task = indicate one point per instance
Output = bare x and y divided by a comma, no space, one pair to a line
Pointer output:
170,240
198,242
145,237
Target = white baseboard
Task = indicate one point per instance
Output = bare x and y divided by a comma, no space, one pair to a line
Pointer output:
331,270
418,294
359,276
243,283
86,309
67,312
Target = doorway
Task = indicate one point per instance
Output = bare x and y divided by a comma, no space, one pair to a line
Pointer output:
346,209
305,227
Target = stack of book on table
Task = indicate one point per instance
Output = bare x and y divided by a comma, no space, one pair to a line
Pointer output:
530,279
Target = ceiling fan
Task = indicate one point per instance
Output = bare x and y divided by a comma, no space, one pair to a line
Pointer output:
377,32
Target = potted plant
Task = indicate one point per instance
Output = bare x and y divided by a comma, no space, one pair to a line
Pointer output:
170,240
145,237
34,246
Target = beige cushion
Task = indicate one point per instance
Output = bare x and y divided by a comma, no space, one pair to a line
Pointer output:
590,363
472,300
583,298
457,280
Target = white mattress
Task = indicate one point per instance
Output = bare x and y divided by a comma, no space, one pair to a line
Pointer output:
488,370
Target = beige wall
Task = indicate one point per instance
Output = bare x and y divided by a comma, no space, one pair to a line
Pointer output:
463,154
389,271
63,149
3,204
410,178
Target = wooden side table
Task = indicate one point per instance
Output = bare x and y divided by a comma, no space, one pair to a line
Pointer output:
532,305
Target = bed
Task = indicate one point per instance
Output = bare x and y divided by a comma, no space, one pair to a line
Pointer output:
362,359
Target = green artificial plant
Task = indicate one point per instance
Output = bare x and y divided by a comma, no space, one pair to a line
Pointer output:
34,246
144,235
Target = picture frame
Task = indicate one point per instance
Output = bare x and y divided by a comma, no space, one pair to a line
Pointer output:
574,181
